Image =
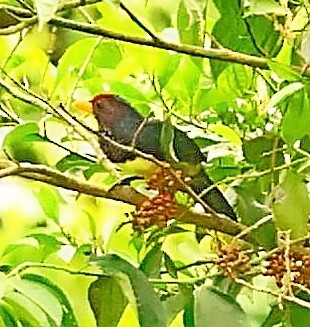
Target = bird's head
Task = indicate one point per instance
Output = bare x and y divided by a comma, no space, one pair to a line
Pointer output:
110,111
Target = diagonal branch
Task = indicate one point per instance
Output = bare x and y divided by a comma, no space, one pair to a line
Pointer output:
225,55
122,193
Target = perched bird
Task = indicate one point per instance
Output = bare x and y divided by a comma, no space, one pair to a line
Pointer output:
122,123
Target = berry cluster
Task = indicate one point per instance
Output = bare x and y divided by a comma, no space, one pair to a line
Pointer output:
162,207
233,261
299,268
164,182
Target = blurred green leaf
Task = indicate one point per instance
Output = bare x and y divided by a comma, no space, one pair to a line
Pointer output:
263,7
213,308
49,199
152,262
296,120
231,32
19,143
45,10
284,93
26,311
258,151
28,132
68,317
234,81
106,54
176,303
250,208
107,300
73,162
191,22
7,318
167,67
149,308
48,244
291,205
42,297
170,266
284,71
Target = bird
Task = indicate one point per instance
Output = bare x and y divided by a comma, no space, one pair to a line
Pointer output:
121,122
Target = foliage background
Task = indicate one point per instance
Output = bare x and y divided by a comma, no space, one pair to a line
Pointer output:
234,75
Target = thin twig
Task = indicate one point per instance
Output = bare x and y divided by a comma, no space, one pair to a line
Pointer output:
137,21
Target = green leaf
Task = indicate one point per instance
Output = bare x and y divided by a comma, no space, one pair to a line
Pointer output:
176,303
293,314
150,310
250,209
73,161
152,262
3,284
234,81
68,318
258,151
296,121
170,266
263,7
284,93
15,254
26,311
284,71
45,10
191,22
184,82
166,67
42,297
291,207
28,132
36,247
48,244
231,32
49,200
267,39
213,308
189,315
7,315
105,55
107,301
19,142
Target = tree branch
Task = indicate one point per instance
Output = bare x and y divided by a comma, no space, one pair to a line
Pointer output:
225,55
122,193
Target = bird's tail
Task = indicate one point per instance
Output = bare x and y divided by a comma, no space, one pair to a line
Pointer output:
214,198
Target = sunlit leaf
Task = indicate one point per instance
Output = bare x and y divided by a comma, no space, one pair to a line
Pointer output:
291,205
68,317
26,311
41,296
284,93
263,7
49,200
296,121
46,10
284,71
